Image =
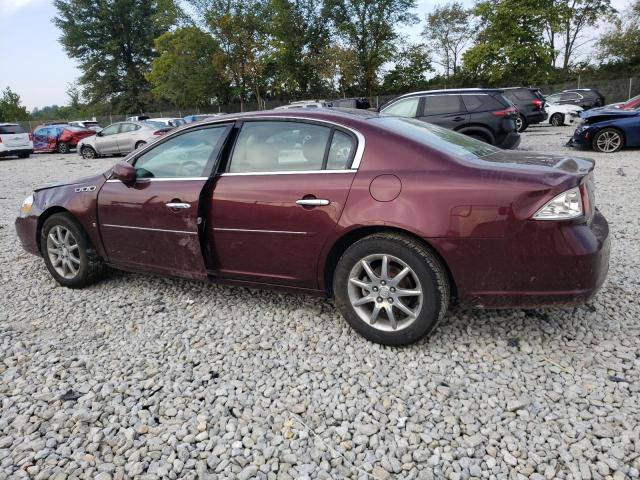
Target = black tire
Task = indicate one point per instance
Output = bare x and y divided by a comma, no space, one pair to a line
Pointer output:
557,119
427,268
521,123
88,152
140,144
63,148
24,155
91,266
599,144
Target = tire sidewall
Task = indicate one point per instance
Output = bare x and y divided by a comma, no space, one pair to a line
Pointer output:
558,116
434,290
594,142
140,144
85,149
66,221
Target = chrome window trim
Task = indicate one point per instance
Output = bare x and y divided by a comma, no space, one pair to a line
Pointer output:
283,172
246,230
149,229
162,179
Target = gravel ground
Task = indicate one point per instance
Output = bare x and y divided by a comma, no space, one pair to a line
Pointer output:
148,377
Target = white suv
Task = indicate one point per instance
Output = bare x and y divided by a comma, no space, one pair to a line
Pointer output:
15,141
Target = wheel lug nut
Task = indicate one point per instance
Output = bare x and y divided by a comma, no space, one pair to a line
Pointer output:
392,289
383,282
379,299
391,300
375,289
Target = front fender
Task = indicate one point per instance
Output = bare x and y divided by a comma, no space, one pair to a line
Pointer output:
79,199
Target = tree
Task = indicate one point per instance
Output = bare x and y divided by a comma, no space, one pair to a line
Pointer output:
11,109
73,92
409,71
300,40
620,45
368,27
449,30
241,30
113,42
185,71
567,20
510,46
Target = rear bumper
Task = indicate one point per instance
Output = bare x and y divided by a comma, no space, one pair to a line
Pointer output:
544,264
510,141
26,228
16,151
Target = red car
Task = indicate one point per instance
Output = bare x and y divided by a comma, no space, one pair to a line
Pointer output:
58,138
393,217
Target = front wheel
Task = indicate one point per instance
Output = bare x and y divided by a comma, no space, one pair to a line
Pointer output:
140,144
391,289
607,140
68,253
88,152
557,119
63,147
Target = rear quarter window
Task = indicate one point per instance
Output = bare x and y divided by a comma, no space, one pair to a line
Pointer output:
8,129
483,103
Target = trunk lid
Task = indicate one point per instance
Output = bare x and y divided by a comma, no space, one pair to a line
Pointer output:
15,139
525,160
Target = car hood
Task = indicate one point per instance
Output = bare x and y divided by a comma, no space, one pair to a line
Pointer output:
554,107
92,180
540,161
598,114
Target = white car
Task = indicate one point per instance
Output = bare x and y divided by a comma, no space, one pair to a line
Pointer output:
15,141
169,121
88,124
562,114
303,104
120,138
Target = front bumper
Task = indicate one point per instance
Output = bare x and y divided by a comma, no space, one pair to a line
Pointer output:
16,151
580,139
27,229
543,264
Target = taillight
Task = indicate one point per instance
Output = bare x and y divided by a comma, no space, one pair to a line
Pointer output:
507,112
159,132
565,206
537,103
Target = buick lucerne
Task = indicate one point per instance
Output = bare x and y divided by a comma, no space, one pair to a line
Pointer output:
392,217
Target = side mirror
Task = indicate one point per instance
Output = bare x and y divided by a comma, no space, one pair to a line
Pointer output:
124,172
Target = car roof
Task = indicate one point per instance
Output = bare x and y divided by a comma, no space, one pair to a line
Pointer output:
451,91
8,124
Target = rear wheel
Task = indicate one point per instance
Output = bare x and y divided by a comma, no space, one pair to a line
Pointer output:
63,147
391,289
140,144
88,152
521,123
68,253
557,119
607,140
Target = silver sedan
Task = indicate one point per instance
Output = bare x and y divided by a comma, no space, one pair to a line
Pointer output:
120,138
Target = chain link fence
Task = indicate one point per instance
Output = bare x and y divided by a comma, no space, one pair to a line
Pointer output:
614,90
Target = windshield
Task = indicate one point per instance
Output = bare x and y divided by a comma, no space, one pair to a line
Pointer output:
442,139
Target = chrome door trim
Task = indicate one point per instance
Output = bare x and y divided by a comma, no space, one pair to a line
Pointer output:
149,229
282,172
178,205
245,230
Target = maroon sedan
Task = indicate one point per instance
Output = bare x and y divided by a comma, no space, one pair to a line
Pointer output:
392,217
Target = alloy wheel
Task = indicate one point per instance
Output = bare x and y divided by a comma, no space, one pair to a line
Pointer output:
385,292
87,152
556,120
518,123
609,141
63,148
64,252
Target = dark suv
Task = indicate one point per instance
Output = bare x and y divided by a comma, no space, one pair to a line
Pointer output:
530,105
484,114
583,97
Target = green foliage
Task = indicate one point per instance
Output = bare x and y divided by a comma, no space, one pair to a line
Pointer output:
449,30
185,71
369,29
10,108
510,46
620,46
410,70
113,43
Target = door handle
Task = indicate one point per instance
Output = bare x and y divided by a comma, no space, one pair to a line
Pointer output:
458,119
178,205
312,202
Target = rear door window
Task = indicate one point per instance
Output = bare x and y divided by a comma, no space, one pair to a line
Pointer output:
8,129
407,107
442,104
110,130
524,94
275,146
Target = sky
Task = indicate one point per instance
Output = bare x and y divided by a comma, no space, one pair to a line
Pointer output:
33,63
